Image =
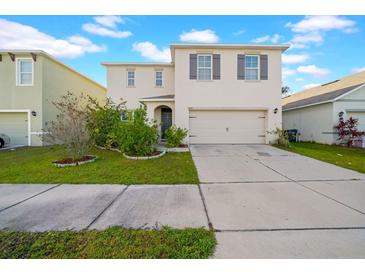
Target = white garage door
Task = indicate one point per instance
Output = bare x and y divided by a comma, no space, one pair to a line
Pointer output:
227,127
360,115
15,125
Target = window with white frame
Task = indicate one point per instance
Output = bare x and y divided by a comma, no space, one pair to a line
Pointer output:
158,78
252,67
204,67
24,72
131,78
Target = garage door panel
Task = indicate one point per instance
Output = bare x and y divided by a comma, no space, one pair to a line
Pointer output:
15,125
227,127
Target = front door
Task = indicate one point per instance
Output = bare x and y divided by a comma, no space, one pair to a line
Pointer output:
166,121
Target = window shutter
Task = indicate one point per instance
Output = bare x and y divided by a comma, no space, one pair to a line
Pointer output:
240,67
193,66
216,66
264,68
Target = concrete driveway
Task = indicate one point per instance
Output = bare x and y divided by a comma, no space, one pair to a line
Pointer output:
264,202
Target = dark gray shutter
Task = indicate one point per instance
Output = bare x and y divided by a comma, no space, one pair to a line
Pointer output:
216,66
264,67
193,66
240,67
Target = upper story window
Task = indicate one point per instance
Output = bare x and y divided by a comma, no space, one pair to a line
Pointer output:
252,67
158,78
131,78
204,67
24,72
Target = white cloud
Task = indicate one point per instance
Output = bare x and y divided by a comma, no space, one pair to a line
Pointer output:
199,36
151,52
288,72
14,35
299,79
110,21
322,23
310,86
356,70
99,30
303,40
313,70
239,32
268,38
289,59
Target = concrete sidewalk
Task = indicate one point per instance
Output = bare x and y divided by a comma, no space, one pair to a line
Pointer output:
61,207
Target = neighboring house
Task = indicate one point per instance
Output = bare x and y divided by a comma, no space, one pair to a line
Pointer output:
29,82
315,112
221,93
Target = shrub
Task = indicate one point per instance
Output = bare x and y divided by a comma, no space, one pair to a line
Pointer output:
105,123
70,126
139,135
347,130
282,137
175,136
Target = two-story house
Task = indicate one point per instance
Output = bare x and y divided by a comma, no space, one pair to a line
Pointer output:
29,82
221,93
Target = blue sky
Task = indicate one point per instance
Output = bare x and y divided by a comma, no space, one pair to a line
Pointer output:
324,48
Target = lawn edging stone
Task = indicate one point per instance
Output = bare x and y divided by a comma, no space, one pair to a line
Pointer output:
78,163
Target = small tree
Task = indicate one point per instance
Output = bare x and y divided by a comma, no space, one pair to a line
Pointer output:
70,126
282,137
347,129
285,90
139,135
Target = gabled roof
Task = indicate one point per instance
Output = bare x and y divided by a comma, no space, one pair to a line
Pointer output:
325,97
326,92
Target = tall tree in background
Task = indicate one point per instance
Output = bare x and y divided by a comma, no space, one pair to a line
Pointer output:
285,90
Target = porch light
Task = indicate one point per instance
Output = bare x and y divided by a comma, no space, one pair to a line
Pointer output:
275,110
34,114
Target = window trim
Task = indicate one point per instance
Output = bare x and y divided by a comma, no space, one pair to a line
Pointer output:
18,72
162,78
134,78
258,67
211,67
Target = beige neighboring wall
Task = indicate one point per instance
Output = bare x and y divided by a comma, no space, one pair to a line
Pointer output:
144,82
228,92
52,79
13,97
58,80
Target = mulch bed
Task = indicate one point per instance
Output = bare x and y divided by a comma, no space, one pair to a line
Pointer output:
76,161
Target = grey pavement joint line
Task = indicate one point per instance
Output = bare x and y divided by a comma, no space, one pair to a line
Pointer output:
210,225
35,195
289,229
329,197
107,207
270,168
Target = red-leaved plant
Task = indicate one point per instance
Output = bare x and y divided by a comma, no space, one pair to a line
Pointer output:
347,130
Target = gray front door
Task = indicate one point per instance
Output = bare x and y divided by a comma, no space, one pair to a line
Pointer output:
166,121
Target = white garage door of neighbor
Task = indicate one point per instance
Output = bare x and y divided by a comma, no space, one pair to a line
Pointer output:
360,115
227,127
15,125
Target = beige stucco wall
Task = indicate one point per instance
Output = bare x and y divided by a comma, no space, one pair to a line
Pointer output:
315,123
228,92
144,83
57,80
22,97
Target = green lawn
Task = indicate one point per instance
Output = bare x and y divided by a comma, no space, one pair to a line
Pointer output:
351,158
34,165
114,242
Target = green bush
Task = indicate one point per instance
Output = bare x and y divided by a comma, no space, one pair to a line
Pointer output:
139,135
175,136
105,123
